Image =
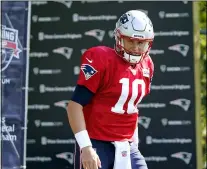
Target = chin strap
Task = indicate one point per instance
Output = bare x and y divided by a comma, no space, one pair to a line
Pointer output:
132,58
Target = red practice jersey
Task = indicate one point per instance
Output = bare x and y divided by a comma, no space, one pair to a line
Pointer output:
112,114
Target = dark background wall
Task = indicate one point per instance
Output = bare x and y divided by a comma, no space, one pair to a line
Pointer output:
61,31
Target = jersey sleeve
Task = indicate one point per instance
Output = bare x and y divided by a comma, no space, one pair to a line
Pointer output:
91,70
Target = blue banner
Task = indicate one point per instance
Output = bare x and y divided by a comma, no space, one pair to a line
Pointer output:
14,82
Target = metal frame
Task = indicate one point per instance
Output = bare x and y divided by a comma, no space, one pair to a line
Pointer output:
27,83
0,101
196,42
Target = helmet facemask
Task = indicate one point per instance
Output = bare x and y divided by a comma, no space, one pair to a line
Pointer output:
131,55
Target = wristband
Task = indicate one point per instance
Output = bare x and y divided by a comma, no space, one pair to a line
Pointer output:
83,139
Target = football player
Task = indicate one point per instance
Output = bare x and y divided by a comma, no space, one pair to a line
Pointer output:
103,110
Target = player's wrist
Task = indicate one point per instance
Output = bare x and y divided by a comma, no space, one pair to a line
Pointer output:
86,149
83,139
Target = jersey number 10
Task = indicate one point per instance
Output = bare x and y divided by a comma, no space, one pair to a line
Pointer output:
132,106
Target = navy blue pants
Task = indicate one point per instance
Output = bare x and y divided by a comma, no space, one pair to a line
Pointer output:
106,153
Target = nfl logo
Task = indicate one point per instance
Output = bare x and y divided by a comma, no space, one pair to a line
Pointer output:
124,153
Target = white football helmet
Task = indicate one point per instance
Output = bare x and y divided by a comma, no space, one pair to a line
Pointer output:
136,26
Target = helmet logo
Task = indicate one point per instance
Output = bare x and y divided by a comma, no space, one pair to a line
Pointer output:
123,19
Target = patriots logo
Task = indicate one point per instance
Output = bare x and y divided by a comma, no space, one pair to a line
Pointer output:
66,156
88,71
97,33
183,103
68,4
144,121
65,51
181,48
63,104
123,19
186,157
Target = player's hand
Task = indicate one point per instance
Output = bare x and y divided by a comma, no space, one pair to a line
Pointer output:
89,158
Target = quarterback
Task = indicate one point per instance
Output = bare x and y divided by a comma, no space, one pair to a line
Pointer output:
103,111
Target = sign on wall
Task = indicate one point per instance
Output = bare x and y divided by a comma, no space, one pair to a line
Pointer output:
62,31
